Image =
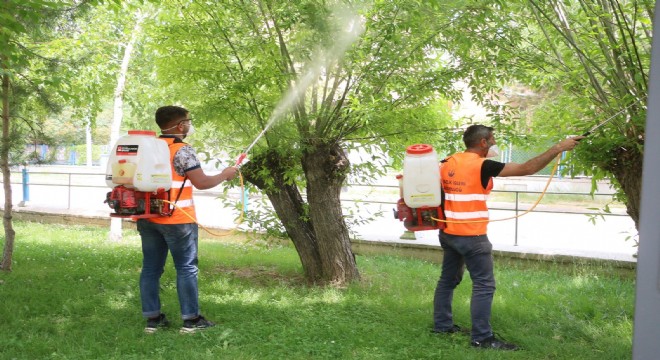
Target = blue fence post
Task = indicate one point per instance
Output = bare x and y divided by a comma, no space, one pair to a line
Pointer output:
560,168
245,200
72,157
26,189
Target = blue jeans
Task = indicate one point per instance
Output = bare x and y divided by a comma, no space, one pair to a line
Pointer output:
475,252
181,241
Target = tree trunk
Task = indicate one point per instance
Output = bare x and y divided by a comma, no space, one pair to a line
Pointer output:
118,106
10,234
320,236
88,140
627,170
289,206
325,168
115,233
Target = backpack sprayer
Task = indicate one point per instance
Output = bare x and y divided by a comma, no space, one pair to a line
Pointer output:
419,189
140,175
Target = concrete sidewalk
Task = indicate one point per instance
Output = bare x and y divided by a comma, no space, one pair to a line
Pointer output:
537,233
544,236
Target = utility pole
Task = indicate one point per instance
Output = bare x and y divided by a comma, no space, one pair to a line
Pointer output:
647,304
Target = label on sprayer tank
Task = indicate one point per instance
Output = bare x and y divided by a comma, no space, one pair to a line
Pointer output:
127,150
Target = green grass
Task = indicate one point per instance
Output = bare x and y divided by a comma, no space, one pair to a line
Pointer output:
72,295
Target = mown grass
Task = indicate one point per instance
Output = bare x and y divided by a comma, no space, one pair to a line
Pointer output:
72,295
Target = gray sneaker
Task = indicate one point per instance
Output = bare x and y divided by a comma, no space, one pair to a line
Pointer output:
494,343
153,324
198,323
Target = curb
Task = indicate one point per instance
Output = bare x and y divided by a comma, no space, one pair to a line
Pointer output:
431,253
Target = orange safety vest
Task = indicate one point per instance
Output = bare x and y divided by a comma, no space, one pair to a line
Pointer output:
185,204
465,197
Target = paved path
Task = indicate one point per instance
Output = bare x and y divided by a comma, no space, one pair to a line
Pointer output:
537,232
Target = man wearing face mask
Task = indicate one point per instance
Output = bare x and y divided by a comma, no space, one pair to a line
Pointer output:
177,233
466,182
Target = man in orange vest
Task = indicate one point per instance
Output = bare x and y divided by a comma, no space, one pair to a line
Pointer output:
177,233
466,183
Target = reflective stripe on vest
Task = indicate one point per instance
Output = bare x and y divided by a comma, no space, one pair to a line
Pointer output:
466,215
184,204
177,184
465,197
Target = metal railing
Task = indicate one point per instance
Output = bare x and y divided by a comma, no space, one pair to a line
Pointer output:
516,206
388,194
68,184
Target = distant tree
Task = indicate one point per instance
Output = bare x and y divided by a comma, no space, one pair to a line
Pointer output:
20,20
32,82
98,47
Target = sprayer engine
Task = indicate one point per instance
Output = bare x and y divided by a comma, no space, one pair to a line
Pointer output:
137,204
419,219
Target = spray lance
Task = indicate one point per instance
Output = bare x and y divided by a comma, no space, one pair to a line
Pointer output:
242,156
604,122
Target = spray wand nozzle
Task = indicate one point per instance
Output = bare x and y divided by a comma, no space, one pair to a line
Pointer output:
607,120
240,159
588,132
242,156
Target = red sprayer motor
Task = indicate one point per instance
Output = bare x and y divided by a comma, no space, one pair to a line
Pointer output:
419,189
137,204
140,176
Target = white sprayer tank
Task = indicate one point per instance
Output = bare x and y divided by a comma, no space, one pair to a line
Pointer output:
140,161
421,177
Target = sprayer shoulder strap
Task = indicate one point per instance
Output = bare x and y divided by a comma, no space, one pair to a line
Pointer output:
174,140
183,183
442,193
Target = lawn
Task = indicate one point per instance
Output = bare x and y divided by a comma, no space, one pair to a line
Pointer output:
73,295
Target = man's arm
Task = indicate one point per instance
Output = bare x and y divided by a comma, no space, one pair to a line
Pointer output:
201,181
534,165
187,163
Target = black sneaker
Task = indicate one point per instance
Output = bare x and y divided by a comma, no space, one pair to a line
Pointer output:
452,330
198,323
493,343
154,323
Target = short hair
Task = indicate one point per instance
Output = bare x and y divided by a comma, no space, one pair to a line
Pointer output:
166,114
474,133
